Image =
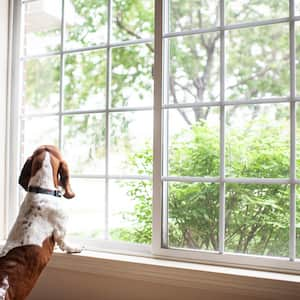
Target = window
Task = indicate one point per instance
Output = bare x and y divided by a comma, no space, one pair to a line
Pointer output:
218,146
88,88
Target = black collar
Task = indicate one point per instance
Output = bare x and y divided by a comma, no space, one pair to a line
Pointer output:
39,190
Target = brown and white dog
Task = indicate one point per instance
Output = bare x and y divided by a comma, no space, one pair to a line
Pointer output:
39,225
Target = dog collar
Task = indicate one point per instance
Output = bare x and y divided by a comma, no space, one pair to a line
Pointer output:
39,190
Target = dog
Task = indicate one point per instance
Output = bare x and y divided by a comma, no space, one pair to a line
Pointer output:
40,225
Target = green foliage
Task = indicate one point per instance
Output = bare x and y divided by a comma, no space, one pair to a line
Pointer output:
257,216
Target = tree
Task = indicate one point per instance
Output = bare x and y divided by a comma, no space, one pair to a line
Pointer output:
256,66
257,216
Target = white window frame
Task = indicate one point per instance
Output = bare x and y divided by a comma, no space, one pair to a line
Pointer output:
4,29
159,242
160,214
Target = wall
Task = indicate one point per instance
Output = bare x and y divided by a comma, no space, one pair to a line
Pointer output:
3,99
66,285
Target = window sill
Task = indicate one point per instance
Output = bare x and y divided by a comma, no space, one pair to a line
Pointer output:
181,274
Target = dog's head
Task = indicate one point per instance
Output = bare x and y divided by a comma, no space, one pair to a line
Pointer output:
61,176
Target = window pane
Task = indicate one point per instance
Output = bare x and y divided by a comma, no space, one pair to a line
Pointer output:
297,31
132,83
41,85
237,11
257,219
193,141
297,140
42,24
257,60
194,68
298,222
193,215
85,23
85,80
131,143
257,141
86,210
130,211
193,14
297,7
38,131
84,143
132,19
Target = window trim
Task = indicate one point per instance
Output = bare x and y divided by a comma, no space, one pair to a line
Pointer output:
4,20
159,241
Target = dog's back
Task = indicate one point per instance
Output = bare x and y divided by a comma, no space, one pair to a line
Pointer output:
18,273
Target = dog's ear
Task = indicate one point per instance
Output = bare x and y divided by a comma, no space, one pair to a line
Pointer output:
64,179
26,174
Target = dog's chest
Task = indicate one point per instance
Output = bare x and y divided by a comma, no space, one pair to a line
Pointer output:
39,216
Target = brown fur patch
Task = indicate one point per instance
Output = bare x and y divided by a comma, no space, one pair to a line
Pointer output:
61,174
23,266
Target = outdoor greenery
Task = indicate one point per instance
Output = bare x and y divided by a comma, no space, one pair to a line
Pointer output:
257,136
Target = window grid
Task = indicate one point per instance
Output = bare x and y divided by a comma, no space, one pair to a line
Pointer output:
159,107
222,179
106,111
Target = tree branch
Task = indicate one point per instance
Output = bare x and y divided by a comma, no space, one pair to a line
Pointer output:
173,92
131,32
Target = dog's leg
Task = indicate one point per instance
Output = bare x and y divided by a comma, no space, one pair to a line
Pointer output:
4,285
59,237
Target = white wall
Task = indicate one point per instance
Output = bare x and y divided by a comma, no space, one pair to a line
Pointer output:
4,12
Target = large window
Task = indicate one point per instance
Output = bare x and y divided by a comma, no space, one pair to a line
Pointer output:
88,88
181,130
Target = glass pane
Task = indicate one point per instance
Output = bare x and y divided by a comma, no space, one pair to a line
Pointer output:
41,85
132,83
132,19
84,143
38,131
297,7
194,68
193,14
193,145
85,23
86,210
258,141
42,24
193,215
257,219
298,222
298,140
130,211
256,62
237,11
297,31
131,143
85,80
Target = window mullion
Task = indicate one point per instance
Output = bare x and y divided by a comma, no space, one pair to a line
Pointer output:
157,140
108,86
61,84
222,132
292,239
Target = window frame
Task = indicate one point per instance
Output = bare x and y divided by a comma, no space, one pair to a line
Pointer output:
108,46
160,210
159,242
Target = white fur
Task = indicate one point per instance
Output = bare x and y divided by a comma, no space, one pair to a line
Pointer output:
3,288
40,215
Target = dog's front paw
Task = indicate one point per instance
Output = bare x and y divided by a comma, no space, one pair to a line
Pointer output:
71,250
